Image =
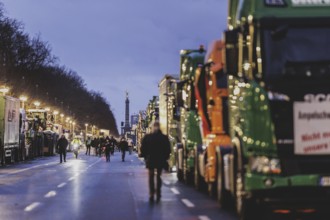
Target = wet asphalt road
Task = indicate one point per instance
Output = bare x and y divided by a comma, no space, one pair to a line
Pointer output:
90,188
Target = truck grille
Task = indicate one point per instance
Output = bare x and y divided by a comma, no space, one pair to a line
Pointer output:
282,115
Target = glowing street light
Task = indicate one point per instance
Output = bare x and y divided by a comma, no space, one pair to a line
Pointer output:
23,99
47,109
4,90
73,128
86,125
37,104
55,115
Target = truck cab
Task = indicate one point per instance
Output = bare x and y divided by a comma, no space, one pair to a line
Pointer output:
190,136
277,62
211,88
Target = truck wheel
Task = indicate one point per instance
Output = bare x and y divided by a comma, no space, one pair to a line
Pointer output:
187,173
245,207
212,189
223,196
179,172
198,179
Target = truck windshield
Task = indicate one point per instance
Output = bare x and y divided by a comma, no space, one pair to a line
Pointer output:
291,52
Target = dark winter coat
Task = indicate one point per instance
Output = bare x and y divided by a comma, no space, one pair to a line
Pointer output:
156,150
113,142
62,144
123,146
107,147
95,143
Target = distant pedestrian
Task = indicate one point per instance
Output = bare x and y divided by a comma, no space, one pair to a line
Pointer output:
101,146
107,149
88,146
123,145
113,144
95,144
62,144
156,151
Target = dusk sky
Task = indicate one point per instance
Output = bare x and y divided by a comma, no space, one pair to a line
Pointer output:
118,45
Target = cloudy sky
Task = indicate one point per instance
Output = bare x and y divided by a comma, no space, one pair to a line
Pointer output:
118,45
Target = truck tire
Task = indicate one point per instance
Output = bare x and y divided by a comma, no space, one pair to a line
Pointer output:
224,197
245,207
188,174
198,179
179,171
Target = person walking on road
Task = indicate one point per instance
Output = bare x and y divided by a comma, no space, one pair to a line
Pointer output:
113,144
62,144
156,151
101,146
95,145
88,146
107,149
123,145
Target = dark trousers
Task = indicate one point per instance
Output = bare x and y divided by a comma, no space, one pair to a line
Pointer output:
107,155
152,182
88,150
63,154
123,153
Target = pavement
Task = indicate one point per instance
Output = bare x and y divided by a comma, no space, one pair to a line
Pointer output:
89,188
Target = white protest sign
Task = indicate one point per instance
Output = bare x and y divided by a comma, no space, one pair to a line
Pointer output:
312,128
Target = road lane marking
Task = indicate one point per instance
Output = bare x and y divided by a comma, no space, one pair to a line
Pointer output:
50,194
93,163
188,203
203,217
32,206
71,178
175,191
61,185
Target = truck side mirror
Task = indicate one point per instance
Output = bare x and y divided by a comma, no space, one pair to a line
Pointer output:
231,52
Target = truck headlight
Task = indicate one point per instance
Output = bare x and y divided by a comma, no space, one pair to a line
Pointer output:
262,164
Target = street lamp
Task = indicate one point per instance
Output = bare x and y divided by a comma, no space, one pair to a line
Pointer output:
62,116
55,115
86,125
73,128
37,104
23,100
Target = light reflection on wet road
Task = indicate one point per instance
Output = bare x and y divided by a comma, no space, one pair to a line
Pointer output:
90,188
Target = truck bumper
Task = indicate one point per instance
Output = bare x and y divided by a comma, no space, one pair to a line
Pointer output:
302,191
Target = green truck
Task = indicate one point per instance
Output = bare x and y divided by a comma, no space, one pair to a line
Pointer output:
278,67
189,133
